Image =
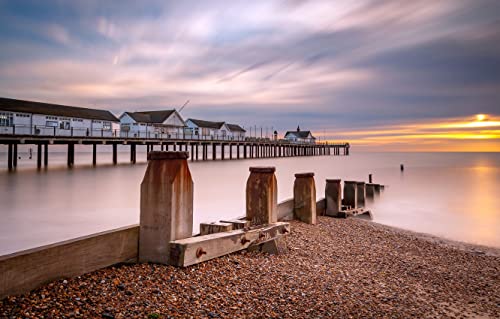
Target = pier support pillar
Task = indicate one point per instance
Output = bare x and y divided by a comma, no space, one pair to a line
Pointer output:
197,147
244,151
230,151
262,196
94,154
115,155
9,156
214,151
133,153
45,154
333,197
350,194
304,198
361,194
14,155
166,205
222,151
39,156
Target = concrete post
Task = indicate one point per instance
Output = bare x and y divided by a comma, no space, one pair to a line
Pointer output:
370,191
350,194
361,194
304,198
333,197
262,196
166,205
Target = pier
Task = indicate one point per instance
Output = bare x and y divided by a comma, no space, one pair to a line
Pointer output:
198,148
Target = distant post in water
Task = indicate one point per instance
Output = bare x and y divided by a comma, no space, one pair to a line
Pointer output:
333,197
361,194
350,194
304,198
166,205
262,196
370,178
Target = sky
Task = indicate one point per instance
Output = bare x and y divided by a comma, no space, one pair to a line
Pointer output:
383,75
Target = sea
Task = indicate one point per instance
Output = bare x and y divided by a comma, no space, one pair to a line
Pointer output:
451,195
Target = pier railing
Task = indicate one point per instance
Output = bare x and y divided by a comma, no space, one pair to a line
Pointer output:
56,131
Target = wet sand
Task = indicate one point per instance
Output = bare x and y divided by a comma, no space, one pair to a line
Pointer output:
338,268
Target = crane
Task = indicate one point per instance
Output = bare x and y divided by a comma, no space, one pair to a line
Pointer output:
183,106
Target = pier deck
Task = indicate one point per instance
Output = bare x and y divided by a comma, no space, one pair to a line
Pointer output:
248,148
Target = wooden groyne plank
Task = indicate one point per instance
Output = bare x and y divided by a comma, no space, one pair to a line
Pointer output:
26,270
193,250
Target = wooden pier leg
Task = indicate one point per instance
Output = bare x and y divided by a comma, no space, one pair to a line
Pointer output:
94,154
71,154
39,156
192,152
350,194
115,155
238,151
333,197
261,196
9,157
222,152
230,151
166,205
244,151
304,198
175,147
197,147
132,153
214,151
45,154
361,194
14,155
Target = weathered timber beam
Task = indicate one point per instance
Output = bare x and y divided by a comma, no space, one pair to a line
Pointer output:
193,250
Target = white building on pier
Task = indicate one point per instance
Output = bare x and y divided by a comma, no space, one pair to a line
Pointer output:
19,117
201,129
300,137
152,124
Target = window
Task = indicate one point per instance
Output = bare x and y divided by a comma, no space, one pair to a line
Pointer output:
22,115
6,119
52,123
54,118
106,126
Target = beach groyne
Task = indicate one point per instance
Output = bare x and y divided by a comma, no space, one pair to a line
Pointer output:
165,231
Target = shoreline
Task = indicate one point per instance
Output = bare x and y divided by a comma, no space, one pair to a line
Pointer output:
337,268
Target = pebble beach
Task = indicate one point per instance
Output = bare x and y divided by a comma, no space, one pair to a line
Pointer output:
339,268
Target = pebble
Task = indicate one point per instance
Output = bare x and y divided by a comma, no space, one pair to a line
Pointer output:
339,268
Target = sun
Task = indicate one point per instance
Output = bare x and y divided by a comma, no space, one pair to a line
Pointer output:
480,117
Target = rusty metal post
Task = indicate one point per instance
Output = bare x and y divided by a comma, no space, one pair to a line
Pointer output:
304,198
262,196
350,194
333,197
361,194
166,205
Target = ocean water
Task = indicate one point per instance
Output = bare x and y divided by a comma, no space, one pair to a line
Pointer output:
452,195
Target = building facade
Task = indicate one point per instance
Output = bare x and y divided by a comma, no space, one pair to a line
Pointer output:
152,124
201,129
19,117
300,137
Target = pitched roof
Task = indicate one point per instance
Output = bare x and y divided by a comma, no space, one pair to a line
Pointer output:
300,134
32,107
207,124
151,116
235,128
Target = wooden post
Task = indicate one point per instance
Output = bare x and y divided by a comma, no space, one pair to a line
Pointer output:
197,147
304,198
361,194
222,152
166,205
14,155
192,152
333,197
39,156
370,191
262,196
376,189
46,154
214,151
230,151
133,153
94,154
350,194
244,151
9,156
115,155
71,149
